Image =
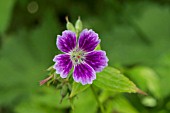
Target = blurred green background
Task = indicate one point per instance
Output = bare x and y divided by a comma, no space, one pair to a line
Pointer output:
135,34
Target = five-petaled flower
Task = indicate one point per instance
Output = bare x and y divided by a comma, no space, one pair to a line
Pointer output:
81,55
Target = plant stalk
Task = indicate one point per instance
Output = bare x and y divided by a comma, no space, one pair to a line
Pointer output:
97,99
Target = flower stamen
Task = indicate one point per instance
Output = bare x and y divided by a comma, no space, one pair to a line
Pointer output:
77,56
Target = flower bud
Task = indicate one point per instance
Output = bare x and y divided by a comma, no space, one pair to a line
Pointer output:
45,80
59,86
69,25
69,87
63,92
78,25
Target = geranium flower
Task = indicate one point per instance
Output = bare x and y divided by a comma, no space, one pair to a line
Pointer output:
80,55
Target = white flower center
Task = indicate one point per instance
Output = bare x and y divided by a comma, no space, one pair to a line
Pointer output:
77,56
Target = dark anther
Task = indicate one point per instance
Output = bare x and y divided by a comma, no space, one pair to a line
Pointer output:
76,60
82,59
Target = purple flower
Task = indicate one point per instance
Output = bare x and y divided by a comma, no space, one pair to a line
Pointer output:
80,55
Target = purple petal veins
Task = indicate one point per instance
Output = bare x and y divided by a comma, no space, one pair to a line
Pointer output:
88,40
97,60
62,65
82,56
67,41
84,73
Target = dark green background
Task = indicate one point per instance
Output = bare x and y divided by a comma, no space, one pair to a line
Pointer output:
134,33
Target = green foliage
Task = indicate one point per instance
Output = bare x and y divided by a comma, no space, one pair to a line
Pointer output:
45,100
163,69
111,79
135,35
5,14
98,47
116,105
77,88
24,57
85,101
146,79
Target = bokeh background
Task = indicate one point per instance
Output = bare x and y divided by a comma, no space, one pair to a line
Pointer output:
135,34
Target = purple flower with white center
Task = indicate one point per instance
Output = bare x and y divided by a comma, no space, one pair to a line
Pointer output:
80,55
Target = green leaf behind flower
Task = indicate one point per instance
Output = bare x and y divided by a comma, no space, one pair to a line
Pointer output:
98,47
111,79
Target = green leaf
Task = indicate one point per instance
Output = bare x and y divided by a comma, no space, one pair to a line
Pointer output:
146,78
111,79
117,103
98,47
77,88
162,68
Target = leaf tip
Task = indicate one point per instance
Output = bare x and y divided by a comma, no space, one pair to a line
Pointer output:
141,92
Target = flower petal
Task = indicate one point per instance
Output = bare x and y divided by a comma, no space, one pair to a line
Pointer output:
67,41
84,73
97,60
62,65
88,40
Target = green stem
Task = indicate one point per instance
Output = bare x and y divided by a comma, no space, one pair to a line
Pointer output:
97,99
71,72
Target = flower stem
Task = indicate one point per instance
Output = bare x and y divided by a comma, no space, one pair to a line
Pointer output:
97,99
71,72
